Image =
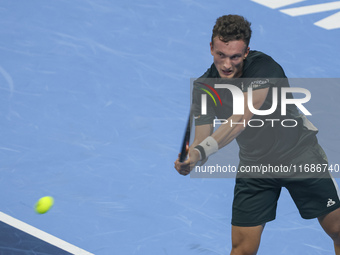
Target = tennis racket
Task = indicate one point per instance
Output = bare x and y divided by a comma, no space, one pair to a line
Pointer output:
185,143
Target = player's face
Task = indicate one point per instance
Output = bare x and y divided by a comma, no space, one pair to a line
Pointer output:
229,57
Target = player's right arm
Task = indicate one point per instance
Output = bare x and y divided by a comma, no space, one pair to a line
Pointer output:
201,132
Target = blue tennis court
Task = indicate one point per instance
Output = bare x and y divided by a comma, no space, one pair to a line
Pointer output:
94,97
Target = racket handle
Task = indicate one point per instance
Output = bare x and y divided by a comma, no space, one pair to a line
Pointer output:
184,153
185,143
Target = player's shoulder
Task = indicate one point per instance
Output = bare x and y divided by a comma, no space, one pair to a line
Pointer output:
211,73
258,56
259,64
207,78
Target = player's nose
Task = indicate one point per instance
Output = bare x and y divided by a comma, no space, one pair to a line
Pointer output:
227,64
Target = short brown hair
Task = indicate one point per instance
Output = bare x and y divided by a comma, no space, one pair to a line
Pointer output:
232,27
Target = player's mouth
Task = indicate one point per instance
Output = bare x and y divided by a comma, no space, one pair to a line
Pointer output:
227,72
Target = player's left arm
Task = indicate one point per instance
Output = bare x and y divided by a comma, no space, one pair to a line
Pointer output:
227,133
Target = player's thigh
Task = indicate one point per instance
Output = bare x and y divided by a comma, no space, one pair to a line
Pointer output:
246,240
314,197
316,193
255,201
331,224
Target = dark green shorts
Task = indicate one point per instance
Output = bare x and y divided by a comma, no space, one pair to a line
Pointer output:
255,199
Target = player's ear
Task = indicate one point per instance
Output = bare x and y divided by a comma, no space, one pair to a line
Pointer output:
211,48
247,52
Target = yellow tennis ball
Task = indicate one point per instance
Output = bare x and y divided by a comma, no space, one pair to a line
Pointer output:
44,204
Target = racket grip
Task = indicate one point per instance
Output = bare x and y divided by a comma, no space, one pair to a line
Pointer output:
184,152
185,143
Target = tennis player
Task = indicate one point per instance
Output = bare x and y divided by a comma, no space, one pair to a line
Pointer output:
255,199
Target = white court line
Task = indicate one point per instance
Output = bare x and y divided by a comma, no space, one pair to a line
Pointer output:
304,10
274,4
331,22
42,235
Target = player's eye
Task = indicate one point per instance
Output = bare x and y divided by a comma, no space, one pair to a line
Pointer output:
235,57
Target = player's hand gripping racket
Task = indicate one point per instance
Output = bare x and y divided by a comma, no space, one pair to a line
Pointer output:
186,139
